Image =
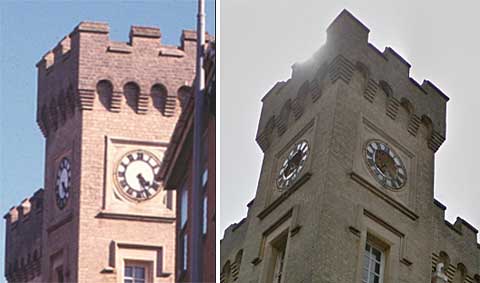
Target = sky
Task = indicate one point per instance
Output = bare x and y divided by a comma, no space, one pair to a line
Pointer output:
27,31
261,40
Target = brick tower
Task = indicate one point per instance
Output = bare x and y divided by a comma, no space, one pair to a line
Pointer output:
107,110
346,186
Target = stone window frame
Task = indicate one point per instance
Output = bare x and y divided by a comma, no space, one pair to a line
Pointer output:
117,258
285,226
371,227
277,250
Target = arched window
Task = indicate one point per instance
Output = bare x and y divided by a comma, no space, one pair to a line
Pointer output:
386,88
444,258
236,265
184,94
105,92
426,127
364,75
460,274
159,98
225,275
304,89
131,92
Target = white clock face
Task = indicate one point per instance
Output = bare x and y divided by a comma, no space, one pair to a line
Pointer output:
62,186
135,175
385,165
293,165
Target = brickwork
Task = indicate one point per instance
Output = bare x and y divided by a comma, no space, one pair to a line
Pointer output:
347,94
24,240
96,100
177,174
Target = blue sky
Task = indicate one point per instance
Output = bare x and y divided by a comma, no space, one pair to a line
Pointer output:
27,31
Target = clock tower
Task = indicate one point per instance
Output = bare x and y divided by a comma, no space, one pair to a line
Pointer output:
107,110
346,187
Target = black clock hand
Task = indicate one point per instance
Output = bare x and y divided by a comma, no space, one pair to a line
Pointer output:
141,180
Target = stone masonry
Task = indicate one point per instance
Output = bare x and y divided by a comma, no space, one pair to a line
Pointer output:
347,94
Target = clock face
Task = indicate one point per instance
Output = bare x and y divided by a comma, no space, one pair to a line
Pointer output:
62,186
385,165
293,165
135,175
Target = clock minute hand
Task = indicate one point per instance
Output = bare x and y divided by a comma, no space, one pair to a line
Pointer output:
64,189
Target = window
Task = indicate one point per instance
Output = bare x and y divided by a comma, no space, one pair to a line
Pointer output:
134,274
205,158
205,215
277,263
373,262
184,207
60,276
182,249
205,177
185,252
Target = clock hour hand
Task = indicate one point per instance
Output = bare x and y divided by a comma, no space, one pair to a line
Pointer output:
143,183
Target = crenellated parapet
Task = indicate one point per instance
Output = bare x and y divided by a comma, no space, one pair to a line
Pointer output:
24,224
379,77
455,246
231,251
87,71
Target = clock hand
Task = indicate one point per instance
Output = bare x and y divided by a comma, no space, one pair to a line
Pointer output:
144,184
64,189
141,180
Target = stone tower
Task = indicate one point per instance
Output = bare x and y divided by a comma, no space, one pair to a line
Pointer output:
346,186
107,110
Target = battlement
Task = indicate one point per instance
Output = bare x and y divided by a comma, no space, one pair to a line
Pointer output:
87,66
138,37
346,56
32,205
233,240
24,224
454,238
461,226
